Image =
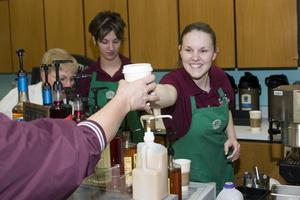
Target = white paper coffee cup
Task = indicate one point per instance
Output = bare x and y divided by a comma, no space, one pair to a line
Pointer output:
136,71
185,165
255,120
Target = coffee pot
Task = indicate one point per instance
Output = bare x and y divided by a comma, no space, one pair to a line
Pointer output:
272,82
249,92
234,89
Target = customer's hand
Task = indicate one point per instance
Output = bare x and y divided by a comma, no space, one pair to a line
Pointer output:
137,94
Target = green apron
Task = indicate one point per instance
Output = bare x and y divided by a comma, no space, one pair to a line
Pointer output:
103,96
204,145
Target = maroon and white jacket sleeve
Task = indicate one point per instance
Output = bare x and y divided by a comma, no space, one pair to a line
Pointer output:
47,158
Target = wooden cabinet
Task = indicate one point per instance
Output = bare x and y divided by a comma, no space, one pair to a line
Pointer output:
5,50
219,14
262,154
266,33
64,25
153,26
250,33
91,9
27,32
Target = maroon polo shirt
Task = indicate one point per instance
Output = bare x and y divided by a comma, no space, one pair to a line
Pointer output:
181,111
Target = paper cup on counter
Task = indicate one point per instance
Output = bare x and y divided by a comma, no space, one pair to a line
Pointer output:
185,165
255,120
136,71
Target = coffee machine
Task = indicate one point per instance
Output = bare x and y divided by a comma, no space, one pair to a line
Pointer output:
286,118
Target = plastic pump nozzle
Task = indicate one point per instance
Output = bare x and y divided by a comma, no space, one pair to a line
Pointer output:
170,148
95,91
149,136
57,86
77,77
21,72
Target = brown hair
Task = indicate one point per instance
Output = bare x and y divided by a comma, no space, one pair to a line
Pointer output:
104,23
199,26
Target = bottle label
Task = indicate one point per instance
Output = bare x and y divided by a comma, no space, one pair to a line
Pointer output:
246,102
17,116
128,169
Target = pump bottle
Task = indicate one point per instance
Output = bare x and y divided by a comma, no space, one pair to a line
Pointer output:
174,171
150,177
17,111
57,110
47,90
105,161
95,90
78,103
130,150
68,107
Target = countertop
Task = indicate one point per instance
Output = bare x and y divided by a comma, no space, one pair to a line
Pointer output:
244,133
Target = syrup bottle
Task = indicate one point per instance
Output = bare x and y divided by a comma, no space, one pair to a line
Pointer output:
78,105
47,90
17,111
57,110
68,107
174,171
116,152
105,160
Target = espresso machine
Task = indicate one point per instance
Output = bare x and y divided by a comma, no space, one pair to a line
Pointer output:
286,120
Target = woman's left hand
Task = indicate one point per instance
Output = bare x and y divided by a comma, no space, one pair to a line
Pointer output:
236,149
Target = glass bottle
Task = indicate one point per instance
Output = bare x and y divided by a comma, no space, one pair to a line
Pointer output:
174,171
17,111
57,110
116,152
47,90
68,107
79,114
130,151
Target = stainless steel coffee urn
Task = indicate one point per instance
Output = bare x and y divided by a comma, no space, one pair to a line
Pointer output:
286,112
249,92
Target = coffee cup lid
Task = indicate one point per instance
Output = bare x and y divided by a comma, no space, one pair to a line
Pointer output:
137,68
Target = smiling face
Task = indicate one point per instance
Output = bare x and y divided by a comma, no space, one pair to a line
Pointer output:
109,47
197,53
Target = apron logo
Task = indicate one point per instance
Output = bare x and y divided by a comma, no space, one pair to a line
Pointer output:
216,124
110,94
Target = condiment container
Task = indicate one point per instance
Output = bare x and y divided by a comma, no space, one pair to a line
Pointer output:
150,177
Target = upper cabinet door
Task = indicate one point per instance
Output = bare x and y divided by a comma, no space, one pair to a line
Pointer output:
5,50
219,14
27,32
153,26
266,33
91,9
64,25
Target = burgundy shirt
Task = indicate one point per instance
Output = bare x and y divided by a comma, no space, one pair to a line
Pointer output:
181,111
47,158
85,83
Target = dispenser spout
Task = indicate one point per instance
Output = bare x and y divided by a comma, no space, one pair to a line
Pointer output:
149,136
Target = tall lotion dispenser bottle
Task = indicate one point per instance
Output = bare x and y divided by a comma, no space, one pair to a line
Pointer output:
150,177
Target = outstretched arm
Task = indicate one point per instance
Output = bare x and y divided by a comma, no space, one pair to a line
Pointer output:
167,94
